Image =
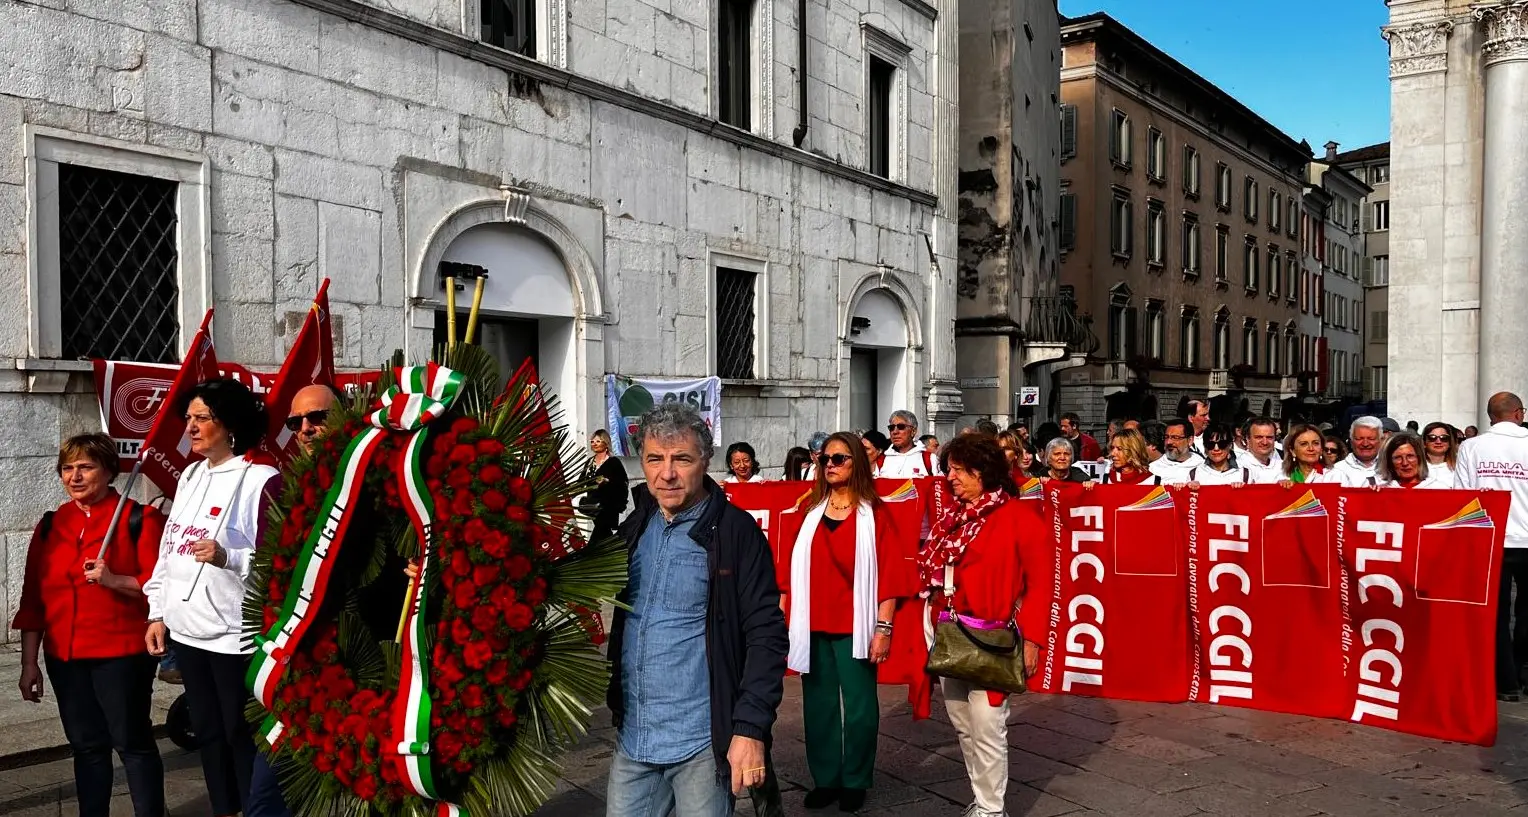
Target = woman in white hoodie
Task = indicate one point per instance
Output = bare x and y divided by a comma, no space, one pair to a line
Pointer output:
196,593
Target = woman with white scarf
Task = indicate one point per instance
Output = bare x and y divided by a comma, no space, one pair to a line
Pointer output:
844,580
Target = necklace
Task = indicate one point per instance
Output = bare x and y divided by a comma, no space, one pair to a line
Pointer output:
837,507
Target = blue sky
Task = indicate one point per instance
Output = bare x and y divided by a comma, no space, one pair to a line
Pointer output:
1317,69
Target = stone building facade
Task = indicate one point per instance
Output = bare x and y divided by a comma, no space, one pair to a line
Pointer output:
1343,314
1186,247
1459,111
1372,165
639,178
1012,330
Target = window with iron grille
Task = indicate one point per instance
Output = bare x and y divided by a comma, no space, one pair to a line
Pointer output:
734,62
510,24
735,323
118,265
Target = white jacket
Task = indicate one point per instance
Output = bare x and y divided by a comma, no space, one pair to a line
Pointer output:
1258,473
1442,474
908,465
1353,474
1498,461
1175,473
221,503
1205,475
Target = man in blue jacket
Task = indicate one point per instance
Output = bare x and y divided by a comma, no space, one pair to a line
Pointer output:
698,664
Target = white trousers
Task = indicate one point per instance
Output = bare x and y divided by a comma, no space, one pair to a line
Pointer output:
983,732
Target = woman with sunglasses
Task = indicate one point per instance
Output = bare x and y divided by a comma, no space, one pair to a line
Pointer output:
1304,457
1219,466
1332,450
1442,453
843,578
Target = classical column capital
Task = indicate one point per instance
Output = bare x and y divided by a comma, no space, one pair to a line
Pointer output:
1418,48
1506,30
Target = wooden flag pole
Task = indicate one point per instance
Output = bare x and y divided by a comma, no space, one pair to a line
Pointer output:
477,304
450,311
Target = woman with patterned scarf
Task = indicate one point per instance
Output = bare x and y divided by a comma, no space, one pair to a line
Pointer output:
986,557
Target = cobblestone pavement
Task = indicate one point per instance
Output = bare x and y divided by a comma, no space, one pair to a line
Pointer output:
1069,756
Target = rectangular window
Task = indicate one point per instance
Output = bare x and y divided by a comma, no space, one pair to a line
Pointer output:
1291,277
734,61
1156,331
1291,355
1222,342
1275,274
1068,131
1120,228
1122,331
1119,139
1156,155
1379,275
1068,219
1275,209
1379,174
509,24
882,80
1249,193
1222,255
1272,349
1156,234
1190,245
1250,259
119,265
1191,171
736,318
1293,220
1381,215
1223,187
1249,343
1188,342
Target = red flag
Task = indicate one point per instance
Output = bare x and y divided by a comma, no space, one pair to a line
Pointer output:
560,512
166,452
310,362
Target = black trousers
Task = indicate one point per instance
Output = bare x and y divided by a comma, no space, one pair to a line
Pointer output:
1512,641
216,695
104,705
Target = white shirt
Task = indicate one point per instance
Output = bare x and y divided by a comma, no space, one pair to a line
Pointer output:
1206,475
1353,474
754,478
1175,473
909,464
1498,461
1433,482
1257,472
1442,473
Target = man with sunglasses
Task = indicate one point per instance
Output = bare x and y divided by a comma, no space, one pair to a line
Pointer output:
309,411
906,458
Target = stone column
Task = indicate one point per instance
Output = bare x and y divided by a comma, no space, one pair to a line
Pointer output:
943,402
1504,200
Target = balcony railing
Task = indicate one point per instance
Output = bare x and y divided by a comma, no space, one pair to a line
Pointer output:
1054,319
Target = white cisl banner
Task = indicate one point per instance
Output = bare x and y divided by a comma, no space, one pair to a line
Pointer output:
627,398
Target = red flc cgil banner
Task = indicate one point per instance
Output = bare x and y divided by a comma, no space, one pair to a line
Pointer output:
1377,607
1119,602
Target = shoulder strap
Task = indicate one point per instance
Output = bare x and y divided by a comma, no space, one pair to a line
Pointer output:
45,525
1371,481
134,521
1193,473
880,461
1156,481
1246,476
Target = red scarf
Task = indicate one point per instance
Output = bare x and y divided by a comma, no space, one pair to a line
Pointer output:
957,528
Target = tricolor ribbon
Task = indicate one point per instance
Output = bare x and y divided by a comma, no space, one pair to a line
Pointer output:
422,394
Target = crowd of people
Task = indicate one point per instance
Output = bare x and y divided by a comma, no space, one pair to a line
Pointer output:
711,617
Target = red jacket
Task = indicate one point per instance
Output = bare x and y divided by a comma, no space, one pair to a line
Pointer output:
80,620
1088,449
833,571
1009,560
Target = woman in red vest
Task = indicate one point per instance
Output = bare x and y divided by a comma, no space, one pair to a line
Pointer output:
87,615
844,576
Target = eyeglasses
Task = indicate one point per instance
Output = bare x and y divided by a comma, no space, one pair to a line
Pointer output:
1438,438
1331,451
836,460
1217,443
314,418
897,427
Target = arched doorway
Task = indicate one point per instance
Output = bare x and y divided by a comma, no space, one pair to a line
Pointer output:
880,345
540,302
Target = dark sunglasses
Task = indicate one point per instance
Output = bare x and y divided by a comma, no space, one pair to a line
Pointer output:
1217,443
1331,451
314,418
1438,438
898,427
833,459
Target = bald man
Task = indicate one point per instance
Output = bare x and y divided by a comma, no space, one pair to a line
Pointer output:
310,409
1498,460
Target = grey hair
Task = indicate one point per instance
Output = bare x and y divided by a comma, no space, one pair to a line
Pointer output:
906,416
1366,421
1056,444
817,441
669,420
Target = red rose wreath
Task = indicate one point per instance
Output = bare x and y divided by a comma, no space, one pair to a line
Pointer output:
496,665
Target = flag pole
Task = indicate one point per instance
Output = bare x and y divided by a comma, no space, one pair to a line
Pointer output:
450,311
116,513
477,304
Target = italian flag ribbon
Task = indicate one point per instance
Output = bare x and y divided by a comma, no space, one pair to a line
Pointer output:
422,394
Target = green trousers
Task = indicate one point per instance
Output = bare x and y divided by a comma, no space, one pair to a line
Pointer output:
842,713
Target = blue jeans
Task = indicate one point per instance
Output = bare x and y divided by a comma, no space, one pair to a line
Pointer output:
688,789
265,797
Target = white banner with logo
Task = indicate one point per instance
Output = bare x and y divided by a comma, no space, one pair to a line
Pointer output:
628,398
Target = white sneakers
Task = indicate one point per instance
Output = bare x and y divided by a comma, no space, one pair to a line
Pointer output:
973,811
